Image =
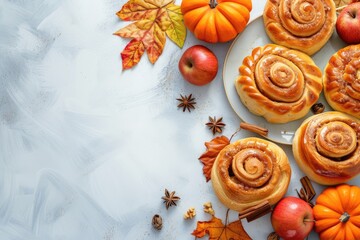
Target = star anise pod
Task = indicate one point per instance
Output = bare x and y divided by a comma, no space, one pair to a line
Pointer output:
186,102
215,125
170,199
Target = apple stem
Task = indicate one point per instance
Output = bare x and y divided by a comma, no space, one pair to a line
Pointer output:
352,14
213,3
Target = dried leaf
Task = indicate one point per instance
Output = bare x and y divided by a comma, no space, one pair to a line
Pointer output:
132,53
135,10
340,4
218,231
213,148
155,19
176,30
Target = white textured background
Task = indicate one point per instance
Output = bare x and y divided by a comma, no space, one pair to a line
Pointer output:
86,149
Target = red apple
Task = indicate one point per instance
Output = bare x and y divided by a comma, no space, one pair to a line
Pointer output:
348,23
292,218
198,65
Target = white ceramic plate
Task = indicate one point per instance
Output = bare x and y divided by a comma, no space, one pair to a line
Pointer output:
253,36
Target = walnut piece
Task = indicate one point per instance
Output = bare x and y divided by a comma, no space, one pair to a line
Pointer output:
157,222
190,213
208,208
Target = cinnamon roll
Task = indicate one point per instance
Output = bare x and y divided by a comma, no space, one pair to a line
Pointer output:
250,171
327,147
278,83
304,25
342,80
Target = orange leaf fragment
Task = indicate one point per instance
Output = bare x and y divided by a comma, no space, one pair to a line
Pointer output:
213,149
218,231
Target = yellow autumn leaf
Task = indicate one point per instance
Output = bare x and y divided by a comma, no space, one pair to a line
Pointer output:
176,30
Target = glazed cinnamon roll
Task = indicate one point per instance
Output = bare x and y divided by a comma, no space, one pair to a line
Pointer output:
304,25
250,171
278,83
327,147
342,80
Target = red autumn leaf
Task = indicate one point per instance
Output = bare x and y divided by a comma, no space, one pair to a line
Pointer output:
213,148
132,53
155,19
218,231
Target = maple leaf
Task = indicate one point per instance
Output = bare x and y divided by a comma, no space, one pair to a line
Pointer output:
155,19
218,231
213,148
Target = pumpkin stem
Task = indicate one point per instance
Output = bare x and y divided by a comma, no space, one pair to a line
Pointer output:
213,3
344,217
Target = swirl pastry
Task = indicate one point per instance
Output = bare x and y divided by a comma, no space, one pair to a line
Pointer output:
250,171
278,83
342,80
304,25
327,147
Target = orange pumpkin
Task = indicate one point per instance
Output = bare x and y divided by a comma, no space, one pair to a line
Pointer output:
337,213
216,20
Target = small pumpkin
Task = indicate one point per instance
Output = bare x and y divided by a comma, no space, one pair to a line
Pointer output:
216,20
337,213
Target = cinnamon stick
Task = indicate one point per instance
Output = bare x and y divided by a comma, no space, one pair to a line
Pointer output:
254,128
256,211
307,192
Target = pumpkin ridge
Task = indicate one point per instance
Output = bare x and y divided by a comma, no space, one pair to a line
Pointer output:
355,220
193,17
334,197
237,15
187,6
245,3
210,29
354,199
224,27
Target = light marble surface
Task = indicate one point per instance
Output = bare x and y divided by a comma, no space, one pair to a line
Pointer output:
86,148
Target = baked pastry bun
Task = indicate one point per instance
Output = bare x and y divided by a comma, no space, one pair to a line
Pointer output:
326,147
249,172
299,24
278,83
342,80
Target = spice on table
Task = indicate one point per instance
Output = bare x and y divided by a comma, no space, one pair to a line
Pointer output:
256,211
208,208
215,125
186,102
273,236
307,192
190,213
254,128
318,108
170,199
157,222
